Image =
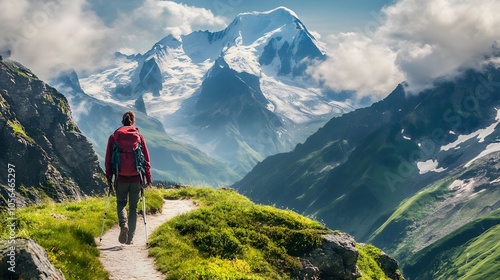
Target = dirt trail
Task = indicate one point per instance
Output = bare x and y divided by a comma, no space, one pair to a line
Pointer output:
132,261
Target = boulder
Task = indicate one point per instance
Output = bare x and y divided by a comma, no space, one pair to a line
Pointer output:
390,267
335,259
23,258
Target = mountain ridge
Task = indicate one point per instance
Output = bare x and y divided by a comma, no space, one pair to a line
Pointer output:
273,48
393,152
50,156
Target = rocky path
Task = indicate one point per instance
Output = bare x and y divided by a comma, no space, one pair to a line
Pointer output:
132,261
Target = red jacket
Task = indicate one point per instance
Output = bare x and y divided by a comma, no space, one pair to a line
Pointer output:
109,151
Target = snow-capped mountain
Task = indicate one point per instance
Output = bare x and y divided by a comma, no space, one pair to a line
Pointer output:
204,86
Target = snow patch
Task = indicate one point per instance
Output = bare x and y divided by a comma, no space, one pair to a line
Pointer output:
404,136
495,181
491,148
480,134
462,188
428,166
326,169
298,102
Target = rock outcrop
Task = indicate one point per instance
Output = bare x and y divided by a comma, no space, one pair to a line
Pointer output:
23,258
50,156
337,258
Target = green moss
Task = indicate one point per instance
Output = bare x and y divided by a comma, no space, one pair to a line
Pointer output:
369,264
19,130
21,72
3,102
63,106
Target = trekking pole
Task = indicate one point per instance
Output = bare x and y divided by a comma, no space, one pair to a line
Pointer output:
105,211
144,214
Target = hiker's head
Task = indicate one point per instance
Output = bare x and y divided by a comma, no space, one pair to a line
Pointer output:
128,118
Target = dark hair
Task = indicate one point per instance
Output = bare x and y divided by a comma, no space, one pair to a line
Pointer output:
128,118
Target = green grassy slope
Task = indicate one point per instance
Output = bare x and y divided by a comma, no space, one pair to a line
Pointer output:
393,234
67,231
232,238
471,252
441,208
228,237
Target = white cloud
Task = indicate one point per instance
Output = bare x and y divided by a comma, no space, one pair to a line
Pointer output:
315,34
357,63
155,19
415,40
437,37
44,35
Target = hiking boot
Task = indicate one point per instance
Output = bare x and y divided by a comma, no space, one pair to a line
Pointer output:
123,234
129,242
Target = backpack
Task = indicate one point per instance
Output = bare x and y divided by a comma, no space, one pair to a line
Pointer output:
127,158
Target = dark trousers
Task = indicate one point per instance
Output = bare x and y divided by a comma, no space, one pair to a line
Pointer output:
131,192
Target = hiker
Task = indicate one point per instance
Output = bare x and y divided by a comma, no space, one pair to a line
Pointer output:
121,154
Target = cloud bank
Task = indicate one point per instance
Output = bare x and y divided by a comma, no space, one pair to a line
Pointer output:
415,41
142,27
45,34
48,35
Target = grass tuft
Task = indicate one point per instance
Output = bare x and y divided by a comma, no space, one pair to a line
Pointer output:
368,262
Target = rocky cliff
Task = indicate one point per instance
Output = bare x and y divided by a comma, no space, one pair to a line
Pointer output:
47,154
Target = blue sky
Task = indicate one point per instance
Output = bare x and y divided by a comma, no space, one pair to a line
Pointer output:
323,16
372,45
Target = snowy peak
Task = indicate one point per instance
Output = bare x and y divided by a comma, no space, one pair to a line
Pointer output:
254,25
275,38
279,12
219,65
230,84
167,42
